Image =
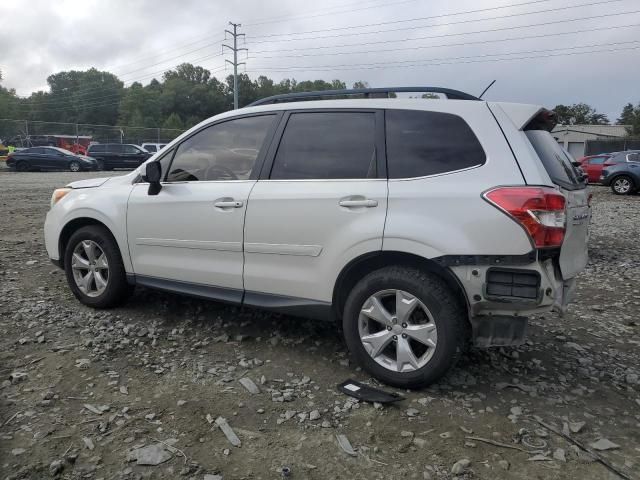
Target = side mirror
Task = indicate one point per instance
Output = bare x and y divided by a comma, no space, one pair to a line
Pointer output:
153,175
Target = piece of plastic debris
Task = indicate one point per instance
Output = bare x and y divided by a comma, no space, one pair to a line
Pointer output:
345,444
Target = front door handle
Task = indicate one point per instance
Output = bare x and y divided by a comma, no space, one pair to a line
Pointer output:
365,202
227,203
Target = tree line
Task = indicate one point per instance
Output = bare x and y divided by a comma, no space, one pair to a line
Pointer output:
189,94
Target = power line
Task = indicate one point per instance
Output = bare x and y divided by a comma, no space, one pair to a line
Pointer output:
413,63
444,35
473,42
499,17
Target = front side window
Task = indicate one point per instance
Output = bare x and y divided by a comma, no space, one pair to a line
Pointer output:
423,143
114,148
150,148
327,145
224,151
130,149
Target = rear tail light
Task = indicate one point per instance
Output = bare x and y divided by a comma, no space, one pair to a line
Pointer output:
539,210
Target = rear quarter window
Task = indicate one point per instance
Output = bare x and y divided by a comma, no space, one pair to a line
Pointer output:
556,161
423,143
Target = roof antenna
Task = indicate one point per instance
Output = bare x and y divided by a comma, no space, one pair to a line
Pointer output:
485,90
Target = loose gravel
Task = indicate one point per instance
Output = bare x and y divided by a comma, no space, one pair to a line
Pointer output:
169,387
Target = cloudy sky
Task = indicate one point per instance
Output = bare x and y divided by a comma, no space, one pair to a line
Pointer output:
539,51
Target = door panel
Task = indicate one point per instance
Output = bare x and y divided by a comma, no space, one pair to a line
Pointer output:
181,235
298,236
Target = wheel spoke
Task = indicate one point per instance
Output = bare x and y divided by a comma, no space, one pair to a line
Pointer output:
405,355
377,342
101,283
78,262
376,311
405,305
89,250
86,281
101,261
425,334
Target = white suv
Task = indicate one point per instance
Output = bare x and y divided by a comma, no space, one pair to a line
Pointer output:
419,224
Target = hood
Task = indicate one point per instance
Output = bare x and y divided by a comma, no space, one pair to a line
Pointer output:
89,183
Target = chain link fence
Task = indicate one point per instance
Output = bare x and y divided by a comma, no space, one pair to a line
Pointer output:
23,133
594,147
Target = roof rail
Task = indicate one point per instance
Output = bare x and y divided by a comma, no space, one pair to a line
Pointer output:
366,92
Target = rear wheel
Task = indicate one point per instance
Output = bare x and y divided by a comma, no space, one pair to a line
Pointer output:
94,269
622,185
22,166
404,326
74,166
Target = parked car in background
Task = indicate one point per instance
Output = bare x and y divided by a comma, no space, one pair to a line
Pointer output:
623,174
420,225
153,147
117,155
592,165
49,158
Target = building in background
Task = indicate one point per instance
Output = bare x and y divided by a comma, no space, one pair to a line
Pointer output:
580,140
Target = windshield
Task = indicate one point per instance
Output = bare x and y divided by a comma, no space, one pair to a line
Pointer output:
556,160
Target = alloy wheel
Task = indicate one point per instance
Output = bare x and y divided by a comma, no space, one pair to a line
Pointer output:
74,166
622,185
397,330
90,268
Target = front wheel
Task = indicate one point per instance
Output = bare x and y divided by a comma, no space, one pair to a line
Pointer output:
622,185
94,269
74,166
404,326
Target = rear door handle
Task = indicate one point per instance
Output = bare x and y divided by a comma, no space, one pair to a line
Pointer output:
365,202
228,203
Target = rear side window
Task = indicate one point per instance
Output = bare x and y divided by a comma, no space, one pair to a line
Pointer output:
327,145
556,161
633,157
428,143
597,160
114,148
97,148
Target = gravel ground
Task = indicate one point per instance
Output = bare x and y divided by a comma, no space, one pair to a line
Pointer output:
97,394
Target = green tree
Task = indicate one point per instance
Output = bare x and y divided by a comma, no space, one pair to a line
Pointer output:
580,114
627,116
173,121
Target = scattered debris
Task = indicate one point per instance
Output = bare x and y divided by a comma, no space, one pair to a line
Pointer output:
345,444
251,387
228,432
460,466
150,455
604,444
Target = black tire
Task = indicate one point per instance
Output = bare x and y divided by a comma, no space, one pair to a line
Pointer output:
620,183
447,312
118,289
74,166
100,165
22,166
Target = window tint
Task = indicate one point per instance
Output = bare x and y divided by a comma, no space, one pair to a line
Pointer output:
114,148
129,149
633,157
597,160
556,160
97,149
327,145
427,143
225,151
150,148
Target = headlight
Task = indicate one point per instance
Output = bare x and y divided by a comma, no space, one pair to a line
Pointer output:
58,194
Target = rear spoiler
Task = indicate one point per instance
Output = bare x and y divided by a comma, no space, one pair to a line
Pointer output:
528,117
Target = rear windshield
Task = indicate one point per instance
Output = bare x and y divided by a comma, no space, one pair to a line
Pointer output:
557,161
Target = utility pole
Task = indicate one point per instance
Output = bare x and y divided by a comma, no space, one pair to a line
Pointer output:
235,63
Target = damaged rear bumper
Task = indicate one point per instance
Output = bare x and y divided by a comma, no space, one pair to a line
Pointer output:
501,297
